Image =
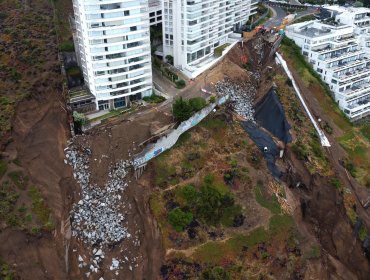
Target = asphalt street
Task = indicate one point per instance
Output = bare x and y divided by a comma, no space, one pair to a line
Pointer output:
279,14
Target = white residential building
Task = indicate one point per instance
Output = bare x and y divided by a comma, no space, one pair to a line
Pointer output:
114,49
192,29
335,53
155,12
359,18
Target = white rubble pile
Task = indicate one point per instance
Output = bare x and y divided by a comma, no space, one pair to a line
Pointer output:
95,218
240,95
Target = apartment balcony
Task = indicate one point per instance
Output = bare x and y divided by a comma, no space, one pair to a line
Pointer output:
356,92
330,49
345,65
336,57
351,74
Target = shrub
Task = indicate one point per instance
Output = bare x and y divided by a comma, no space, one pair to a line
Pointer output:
212,99
197,103
169,59
189,193
182,110
67,47
216,273
180,83
179,219
154,98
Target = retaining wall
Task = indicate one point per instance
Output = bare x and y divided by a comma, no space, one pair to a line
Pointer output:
166,142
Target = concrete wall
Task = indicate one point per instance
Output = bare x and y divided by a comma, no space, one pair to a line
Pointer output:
167,141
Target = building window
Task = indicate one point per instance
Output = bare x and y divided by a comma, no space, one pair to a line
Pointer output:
126,13
133,28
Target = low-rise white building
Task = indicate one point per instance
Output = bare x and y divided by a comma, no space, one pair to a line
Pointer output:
113,45
192,29
335,52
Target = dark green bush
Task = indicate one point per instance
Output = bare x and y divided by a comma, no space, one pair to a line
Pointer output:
197,103
179,219
180,83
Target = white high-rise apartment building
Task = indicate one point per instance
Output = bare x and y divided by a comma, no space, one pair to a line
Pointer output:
192,29
335,52
114,50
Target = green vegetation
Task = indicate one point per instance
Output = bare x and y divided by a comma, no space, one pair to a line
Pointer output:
8,198
314,253
213,252
67,47
74,71
304,18
197,103
6,273
164,172
154,98
213,203
40,209
271,203
169,59
218,51
179,219
184,109
310,77
3,167
335,182
19,179
216,273
180,83
354,138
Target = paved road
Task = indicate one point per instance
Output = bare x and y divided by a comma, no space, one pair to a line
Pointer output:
279,14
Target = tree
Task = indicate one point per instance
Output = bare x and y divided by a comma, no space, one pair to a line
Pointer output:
197,103
182,110
189,193
169,59
179,219
180,83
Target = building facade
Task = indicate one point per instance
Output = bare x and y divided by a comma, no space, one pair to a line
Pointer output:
359,18
192,29
335,52
155,12
113,44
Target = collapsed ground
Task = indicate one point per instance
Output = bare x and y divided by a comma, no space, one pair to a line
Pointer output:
258,234
265,228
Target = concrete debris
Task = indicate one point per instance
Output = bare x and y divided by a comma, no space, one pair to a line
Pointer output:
241,97
95,218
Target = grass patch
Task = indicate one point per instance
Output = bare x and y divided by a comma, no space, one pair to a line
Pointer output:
314,252
213,123
111,114
183,139
293,54
365,130
269,202
40,209
19,179
218,51
154,98
280,224
8,198
165,174
3,167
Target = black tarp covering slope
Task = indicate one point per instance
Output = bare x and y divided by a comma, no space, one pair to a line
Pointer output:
270,115
262,140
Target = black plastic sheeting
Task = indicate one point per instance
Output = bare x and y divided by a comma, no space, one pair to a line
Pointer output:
262,140
270,115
